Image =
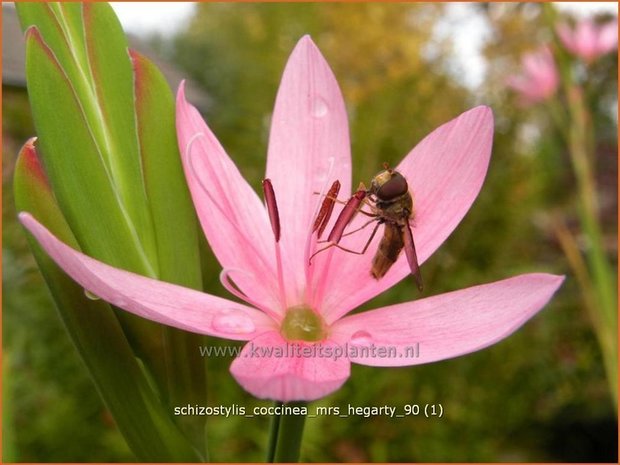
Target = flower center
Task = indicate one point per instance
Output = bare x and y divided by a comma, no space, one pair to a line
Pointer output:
303,324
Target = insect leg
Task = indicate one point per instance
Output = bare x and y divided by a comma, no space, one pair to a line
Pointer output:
335,244
334,199
372,236
344,218
375,218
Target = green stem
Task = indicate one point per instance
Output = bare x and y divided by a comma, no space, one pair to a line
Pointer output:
285,436
605,337
588,211
273,435
602,273
580,137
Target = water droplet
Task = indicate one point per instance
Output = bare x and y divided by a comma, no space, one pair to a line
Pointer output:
233,321
319,108
90,295
120,302
361,338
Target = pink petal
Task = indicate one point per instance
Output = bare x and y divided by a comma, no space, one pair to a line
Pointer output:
528,90
608,37
448,325
308,150
518,83
589,40
162,302
539,79
269,374
567,37
232,216
586,39
445,172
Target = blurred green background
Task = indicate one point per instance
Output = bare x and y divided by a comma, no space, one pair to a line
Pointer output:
540,395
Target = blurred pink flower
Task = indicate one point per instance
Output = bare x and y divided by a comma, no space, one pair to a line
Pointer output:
589,40
292,301
539,78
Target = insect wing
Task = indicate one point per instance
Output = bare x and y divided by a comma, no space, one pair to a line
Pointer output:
412,257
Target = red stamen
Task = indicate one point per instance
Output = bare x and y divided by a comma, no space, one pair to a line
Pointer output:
274,217
272,208
326,209
346,216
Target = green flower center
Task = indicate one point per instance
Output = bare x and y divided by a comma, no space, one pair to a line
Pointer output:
303,324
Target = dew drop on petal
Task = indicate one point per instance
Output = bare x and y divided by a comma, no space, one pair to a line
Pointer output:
361,338
233,321
319,107
120,302
90,295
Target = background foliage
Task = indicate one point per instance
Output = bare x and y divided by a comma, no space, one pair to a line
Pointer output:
541,395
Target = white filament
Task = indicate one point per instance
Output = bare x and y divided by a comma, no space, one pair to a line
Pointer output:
194,172
231,287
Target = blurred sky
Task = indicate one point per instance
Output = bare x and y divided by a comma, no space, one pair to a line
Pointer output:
467,27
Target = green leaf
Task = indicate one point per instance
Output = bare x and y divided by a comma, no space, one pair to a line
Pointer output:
96,333
55,27
73,161
108,141
174,218
112,77
89,49
176,227
81,186
9,450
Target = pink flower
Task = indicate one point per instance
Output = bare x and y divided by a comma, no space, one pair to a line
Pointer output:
539,78
589,40
290,300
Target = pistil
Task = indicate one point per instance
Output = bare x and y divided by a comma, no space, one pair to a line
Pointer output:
301,323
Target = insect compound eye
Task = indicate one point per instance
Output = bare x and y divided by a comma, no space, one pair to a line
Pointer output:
393,187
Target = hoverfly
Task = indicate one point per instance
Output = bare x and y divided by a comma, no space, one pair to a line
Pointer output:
391,204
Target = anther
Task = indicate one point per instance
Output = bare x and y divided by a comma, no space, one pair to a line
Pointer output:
346,216
326,209
274,218
272,208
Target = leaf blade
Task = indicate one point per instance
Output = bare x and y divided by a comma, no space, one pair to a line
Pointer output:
92,326
79,180
112,77
176,228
